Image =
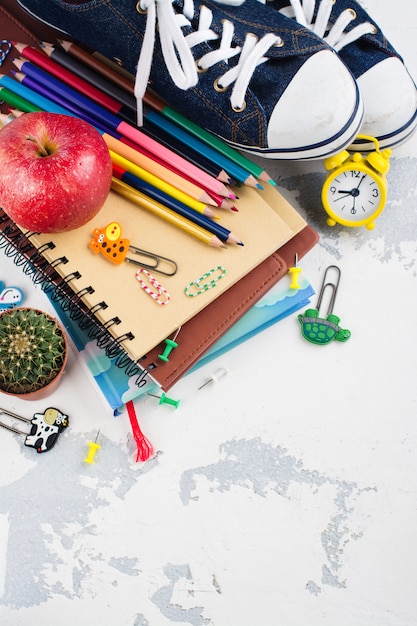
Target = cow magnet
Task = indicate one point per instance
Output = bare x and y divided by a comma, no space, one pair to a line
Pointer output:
45,427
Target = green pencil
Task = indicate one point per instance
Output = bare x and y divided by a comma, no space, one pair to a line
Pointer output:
16,101
208,138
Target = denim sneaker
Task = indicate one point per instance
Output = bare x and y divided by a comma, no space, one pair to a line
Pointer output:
388,91
248,74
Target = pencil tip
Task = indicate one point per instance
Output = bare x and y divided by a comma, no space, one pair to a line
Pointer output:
259,186
234,208
240,243
272,182
251,181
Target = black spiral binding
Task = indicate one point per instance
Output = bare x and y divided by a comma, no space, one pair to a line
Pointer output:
17,245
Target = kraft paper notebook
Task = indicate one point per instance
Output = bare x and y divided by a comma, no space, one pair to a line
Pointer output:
113,291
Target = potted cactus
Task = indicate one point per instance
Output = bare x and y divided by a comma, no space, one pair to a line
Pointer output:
33,352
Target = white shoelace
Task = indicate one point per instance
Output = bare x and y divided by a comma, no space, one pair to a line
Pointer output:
177,50
334,35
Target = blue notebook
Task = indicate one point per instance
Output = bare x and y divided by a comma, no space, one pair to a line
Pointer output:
118,387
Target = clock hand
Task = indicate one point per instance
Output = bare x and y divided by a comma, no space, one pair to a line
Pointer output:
364,176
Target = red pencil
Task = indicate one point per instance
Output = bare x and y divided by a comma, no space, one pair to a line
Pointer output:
134,134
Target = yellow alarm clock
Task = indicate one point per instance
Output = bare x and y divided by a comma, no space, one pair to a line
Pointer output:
355,190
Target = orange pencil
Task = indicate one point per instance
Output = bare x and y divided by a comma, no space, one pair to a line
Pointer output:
157,169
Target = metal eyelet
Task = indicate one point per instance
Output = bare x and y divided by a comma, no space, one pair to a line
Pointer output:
239,109
139,9
219,88
279,43
118,61
353,13
200,70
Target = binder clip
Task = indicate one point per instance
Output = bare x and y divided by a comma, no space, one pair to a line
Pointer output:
323,330
10,297
45,427
110,243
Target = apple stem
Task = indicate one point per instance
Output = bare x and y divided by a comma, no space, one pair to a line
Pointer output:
42,150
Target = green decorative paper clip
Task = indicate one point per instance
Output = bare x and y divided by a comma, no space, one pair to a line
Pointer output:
323,330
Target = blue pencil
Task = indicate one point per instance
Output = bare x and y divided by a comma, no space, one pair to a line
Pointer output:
110,120
224,234
237,172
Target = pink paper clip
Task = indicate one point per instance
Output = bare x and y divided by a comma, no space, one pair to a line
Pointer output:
160,295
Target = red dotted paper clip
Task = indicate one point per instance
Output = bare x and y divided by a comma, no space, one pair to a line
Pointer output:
160,294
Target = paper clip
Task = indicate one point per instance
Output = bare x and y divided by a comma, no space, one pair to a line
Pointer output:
5,47
160,295
322,330
45,427
201,286
110,243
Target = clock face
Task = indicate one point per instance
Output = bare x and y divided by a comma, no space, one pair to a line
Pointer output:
353,196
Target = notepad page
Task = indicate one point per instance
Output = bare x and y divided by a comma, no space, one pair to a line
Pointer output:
257,224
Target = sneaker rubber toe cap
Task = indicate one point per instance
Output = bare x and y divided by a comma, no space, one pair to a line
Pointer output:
319,112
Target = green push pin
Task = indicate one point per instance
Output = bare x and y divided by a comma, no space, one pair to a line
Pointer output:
170,345
164,399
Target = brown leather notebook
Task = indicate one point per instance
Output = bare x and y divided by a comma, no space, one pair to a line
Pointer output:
202,331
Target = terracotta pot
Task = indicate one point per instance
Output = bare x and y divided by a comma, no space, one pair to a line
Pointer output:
46,389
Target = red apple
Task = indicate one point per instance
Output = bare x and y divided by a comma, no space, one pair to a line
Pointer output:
55,171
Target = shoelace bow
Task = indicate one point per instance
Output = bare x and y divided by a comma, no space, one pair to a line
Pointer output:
177,50
334,35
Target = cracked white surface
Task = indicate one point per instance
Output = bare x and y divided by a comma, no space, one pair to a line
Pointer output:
284,494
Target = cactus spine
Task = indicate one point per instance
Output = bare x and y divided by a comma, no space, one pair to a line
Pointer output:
32,350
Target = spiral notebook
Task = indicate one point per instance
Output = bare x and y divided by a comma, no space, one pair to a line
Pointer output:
119,378
113,293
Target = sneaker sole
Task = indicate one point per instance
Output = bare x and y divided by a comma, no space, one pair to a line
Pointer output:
392,140
316,151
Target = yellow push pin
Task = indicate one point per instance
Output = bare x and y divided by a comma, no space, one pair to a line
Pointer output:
93,447
295,271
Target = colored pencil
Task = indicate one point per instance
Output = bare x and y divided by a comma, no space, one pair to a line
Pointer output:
155,103
223,233
160,185
67,84
203,135
16,101
128,111
239,174
116,77
47,104
163,212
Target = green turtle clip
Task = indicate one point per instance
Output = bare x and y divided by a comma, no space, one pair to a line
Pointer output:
323,330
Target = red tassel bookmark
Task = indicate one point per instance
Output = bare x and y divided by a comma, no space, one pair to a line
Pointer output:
145,448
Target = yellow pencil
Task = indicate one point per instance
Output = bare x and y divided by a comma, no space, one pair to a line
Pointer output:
162,211
157,169
160,184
